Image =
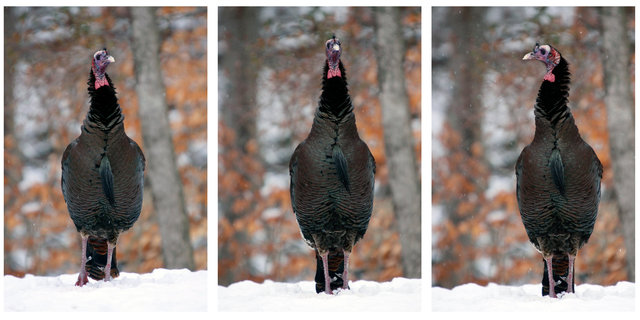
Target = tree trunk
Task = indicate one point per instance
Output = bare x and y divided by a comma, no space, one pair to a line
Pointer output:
619,101
398,139
466,108
10,50
239,26
464,116
166,185
239,109
12,176
11,54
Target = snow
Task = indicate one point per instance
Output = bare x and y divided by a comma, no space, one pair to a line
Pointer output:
399,294
183,290
160,290
528,297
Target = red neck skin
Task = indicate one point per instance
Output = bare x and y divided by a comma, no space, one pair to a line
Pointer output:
101,82
332,72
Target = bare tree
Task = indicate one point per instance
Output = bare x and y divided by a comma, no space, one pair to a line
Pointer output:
464,115
166,186
399,144
11,54
619,103
239,26
11,152
239,109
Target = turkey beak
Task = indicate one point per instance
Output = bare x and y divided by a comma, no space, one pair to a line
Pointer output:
529,56
111,59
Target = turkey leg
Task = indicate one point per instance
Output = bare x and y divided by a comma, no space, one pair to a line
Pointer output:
82,277
345,273
325,266
570,275
552,282
107,268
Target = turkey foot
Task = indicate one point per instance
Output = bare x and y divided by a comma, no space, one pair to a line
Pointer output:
82,279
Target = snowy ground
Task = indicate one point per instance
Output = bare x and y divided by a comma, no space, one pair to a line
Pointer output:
588,297
183,290
161,290
400,294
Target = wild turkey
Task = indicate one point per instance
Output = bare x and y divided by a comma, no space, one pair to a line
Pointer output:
332,178
102,177
558,178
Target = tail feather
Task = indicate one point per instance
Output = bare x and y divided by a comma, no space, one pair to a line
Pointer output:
336,268
97,259
560,272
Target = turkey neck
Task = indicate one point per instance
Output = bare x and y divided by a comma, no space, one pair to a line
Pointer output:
551,103
335,102
104,111
334,117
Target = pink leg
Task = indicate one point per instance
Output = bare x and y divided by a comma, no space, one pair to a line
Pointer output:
345,273
552,282
82,277
570,275
107,268
325,266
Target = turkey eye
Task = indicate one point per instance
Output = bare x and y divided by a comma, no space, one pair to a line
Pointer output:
543,51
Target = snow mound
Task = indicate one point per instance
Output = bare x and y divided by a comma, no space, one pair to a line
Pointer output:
160,290
400,294
588,297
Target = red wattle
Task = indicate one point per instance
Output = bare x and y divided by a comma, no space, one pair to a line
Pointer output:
333,73
550,77
101,82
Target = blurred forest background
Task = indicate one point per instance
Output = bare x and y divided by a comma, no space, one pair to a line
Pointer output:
483,97
48,54
270,72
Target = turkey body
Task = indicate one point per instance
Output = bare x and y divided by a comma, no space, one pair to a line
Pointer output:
558,179
102,179
332,179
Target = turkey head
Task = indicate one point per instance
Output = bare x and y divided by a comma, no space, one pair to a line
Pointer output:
101,60
333,57
548,55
